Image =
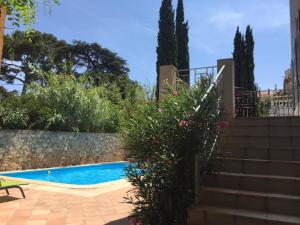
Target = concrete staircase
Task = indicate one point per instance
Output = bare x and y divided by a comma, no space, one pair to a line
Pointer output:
259,180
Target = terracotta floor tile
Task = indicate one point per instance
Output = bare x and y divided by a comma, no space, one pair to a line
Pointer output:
38,217
41,212
44,206
74,223
75,219
18,221
36,222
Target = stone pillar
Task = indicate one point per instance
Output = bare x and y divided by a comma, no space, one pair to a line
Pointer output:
167,77
227,87
2,28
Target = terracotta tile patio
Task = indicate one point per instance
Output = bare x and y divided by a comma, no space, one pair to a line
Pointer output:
64,206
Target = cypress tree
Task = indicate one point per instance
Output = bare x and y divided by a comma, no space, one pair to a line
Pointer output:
243,56
182,30
243,78
249,58
167,45
237,57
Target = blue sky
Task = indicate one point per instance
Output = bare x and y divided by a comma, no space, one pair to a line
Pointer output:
130,29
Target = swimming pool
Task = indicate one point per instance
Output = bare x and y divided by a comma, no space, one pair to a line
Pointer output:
78,175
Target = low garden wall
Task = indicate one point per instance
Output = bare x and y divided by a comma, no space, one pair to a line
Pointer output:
30,149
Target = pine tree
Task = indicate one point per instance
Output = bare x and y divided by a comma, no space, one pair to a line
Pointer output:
182,30
249,58
167,44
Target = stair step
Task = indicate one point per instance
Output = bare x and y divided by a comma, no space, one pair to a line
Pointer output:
273,153
261,141
208,215
259,182
263,167
249,200
258,122
254,182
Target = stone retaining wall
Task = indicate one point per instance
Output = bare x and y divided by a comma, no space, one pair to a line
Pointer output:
30,149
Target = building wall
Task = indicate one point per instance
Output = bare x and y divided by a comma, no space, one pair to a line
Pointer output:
295,49
294,8
28,149
288,82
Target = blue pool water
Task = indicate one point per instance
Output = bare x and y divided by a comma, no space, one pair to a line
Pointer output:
80,175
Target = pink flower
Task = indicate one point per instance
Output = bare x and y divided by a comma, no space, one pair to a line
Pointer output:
175,93
133,221
156,141
142,166
223,125
183,123
169,162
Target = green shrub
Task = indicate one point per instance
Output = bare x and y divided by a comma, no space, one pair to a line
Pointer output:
263,106
13,117
162,140
71,105
67,103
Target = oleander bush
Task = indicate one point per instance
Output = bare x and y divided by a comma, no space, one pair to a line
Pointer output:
162,140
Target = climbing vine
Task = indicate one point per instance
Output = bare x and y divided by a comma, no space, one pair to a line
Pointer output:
23,12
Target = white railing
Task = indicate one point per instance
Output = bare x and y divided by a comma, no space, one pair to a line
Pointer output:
199,164
267,103
195,74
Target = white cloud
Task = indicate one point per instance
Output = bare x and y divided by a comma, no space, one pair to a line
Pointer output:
262,15
225,17
145,28
203,46
271,16
212,30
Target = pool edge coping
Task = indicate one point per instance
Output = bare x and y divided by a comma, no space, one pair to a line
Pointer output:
69,186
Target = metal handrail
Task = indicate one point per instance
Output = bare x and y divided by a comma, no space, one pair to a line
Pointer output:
199,68
210,87
192,75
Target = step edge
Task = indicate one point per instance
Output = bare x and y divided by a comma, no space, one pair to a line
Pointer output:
258,176
260,160
243,212
262,147
250,193
259,136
